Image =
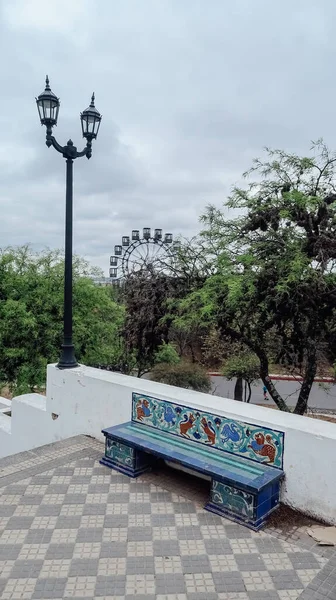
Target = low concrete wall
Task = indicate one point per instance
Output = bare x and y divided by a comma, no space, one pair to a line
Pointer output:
85,400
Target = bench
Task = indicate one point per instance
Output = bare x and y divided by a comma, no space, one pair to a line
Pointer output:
244,461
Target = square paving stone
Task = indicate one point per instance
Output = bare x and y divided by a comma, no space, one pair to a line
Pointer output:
31,499
9,551
57,488
218,546
207,596
208,518
59,551
64,522
113,549
7,510
195,564
49,588
303,560
19,523
110,585
189,533
42,479
74,499
112,521
94,509
250,562
166,548
170,583
90,534
184,508
162,520
118,498
139,534
49,510
266,595
14,490
99,488
285,580
140,565
139,508
237,532
82,567
39,536
160,496
26,569
228,582
268,545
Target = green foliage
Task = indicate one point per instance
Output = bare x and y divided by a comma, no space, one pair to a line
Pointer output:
184,374
274,283
167,354
244,365
144,330
31,316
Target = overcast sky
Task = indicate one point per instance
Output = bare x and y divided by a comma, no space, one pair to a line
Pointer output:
190,92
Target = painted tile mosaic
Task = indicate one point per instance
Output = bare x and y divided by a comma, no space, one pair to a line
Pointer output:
259,444
238,501
120,453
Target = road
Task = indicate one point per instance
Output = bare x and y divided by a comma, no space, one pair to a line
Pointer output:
322,396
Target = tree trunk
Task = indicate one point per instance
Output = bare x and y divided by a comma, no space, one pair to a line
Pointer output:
309,376
273,392
259,351
250,392
238,391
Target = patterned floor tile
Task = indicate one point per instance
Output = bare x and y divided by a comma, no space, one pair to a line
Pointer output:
72,528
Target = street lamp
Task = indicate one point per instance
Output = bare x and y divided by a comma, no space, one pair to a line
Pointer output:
48,107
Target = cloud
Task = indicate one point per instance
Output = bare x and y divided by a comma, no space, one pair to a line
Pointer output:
190,92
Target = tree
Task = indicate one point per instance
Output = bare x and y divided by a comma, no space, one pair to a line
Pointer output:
31,317
243,366
274,290
145,296
184,374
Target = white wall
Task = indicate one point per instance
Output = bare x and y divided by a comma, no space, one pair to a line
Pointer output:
86,400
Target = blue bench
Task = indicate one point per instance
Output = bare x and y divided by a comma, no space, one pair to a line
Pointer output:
244,461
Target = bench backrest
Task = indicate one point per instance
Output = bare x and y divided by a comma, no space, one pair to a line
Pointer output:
257,443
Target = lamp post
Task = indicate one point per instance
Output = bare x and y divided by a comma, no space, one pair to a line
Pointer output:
48,107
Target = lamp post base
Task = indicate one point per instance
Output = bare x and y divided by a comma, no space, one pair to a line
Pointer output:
67,359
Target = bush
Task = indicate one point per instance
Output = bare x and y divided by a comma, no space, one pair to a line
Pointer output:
167,354
184,375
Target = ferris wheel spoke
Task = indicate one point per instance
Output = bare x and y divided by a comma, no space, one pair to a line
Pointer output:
146,256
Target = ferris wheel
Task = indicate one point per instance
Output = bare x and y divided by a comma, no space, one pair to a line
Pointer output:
148,254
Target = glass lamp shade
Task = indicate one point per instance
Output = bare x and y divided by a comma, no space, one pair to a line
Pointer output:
90,120
48,106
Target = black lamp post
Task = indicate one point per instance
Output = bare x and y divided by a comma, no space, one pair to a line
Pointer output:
48,106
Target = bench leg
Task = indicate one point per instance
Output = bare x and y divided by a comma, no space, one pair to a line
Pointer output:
241,506
126,459
233,503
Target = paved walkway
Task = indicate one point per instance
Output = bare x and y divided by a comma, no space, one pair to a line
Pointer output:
70,527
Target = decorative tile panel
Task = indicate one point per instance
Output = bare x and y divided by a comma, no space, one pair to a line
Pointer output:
257,443
119,453
233,499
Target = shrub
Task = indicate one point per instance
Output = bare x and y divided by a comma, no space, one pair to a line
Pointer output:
184,375
167,354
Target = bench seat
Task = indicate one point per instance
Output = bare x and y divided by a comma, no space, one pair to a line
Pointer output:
241,489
